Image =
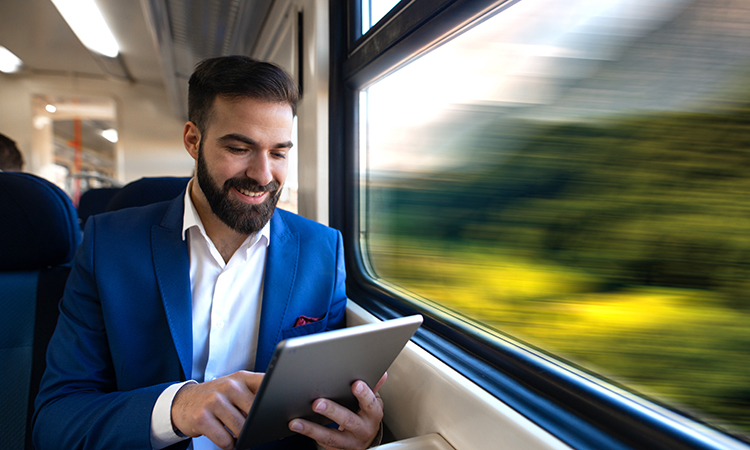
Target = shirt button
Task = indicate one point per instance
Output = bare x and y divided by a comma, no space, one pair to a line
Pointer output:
220,324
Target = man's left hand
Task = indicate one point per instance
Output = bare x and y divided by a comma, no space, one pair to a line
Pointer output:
356,431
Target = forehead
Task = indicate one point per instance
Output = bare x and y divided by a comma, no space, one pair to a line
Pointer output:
247,113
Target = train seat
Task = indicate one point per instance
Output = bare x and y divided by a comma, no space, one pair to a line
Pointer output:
39,234
94,201
147,190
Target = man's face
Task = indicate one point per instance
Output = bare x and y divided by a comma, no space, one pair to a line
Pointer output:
242,161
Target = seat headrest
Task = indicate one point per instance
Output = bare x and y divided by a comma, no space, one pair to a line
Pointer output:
146,191
94,201
38,223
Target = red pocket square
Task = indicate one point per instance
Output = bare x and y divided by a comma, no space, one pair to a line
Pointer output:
304,320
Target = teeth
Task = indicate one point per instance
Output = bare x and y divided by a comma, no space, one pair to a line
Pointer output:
250,193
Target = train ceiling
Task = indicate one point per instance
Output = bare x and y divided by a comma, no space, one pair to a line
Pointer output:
187,31
160,40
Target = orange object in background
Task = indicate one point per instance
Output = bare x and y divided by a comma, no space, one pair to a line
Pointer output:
77,145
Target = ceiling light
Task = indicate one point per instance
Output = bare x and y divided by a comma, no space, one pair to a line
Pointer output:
110,135
86,21
50,108
41,121
9,62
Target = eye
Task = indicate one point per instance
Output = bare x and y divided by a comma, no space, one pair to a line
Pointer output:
236,149
280,155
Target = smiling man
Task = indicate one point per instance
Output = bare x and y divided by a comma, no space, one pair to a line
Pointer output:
173,310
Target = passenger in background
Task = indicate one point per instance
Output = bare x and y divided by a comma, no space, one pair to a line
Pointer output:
11,159
169,307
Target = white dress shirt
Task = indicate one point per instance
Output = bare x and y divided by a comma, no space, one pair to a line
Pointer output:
226,299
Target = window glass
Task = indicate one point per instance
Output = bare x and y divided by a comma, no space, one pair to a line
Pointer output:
374,10
577,175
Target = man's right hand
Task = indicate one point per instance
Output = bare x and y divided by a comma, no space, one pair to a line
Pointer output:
206,409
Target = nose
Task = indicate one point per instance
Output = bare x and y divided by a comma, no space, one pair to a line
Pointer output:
259,169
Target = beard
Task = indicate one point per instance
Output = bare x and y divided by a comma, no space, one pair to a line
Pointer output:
241,217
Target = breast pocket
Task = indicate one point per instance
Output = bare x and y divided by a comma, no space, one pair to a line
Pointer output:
304,330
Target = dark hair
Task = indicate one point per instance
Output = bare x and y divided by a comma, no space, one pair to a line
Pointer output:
10,157
236,77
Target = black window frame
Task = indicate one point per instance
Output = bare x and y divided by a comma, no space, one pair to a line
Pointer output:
581,410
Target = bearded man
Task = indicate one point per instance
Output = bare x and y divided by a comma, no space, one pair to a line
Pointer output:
172,311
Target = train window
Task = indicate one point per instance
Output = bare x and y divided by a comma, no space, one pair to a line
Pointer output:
373,11
288,198
577,178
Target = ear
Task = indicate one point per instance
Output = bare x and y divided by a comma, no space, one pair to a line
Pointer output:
191,137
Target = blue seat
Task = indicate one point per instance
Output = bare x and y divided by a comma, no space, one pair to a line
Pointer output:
146,191
94,201
39,234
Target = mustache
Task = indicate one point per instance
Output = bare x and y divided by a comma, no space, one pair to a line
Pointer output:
249,184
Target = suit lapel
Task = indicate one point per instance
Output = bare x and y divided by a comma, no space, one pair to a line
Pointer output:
281,269
172,268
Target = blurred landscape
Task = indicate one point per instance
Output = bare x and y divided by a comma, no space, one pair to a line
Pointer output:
608,226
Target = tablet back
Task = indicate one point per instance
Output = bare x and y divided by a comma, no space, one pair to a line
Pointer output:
323,365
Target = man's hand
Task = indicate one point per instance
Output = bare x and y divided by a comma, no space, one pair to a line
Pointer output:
216,409
356,431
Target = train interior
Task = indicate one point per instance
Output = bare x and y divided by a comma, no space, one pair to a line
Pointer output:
91,123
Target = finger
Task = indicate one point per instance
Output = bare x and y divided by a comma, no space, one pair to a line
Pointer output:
380,383
326,437
231,418
219,435
369,404
240,387
236,391
346,419
252,380
360,392
220,408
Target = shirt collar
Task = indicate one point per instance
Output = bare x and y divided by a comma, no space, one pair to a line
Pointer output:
191,219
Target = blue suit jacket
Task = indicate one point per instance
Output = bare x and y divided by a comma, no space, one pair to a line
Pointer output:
125,327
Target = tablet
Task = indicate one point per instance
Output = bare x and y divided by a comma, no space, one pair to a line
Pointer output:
323,365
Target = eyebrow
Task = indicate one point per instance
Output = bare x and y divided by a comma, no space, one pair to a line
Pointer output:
250,141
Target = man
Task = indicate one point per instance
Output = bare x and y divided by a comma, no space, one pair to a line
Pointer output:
11,159
201,288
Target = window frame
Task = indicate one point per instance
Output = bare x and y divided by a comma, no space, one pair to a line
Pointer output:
581,410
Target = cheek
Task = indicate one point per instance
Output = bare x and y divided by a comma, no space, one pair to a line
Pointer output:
229,167
280,171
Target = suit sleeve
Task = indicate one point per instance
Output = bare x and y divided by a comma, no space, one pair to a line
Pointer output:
79,405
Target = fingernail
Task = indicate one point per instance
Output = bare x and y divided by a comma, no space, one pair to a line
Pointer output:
296,426
320,407
359,387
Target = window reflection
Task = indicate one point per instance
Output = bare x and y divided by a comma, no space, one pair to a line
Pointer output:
577,176
374,10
